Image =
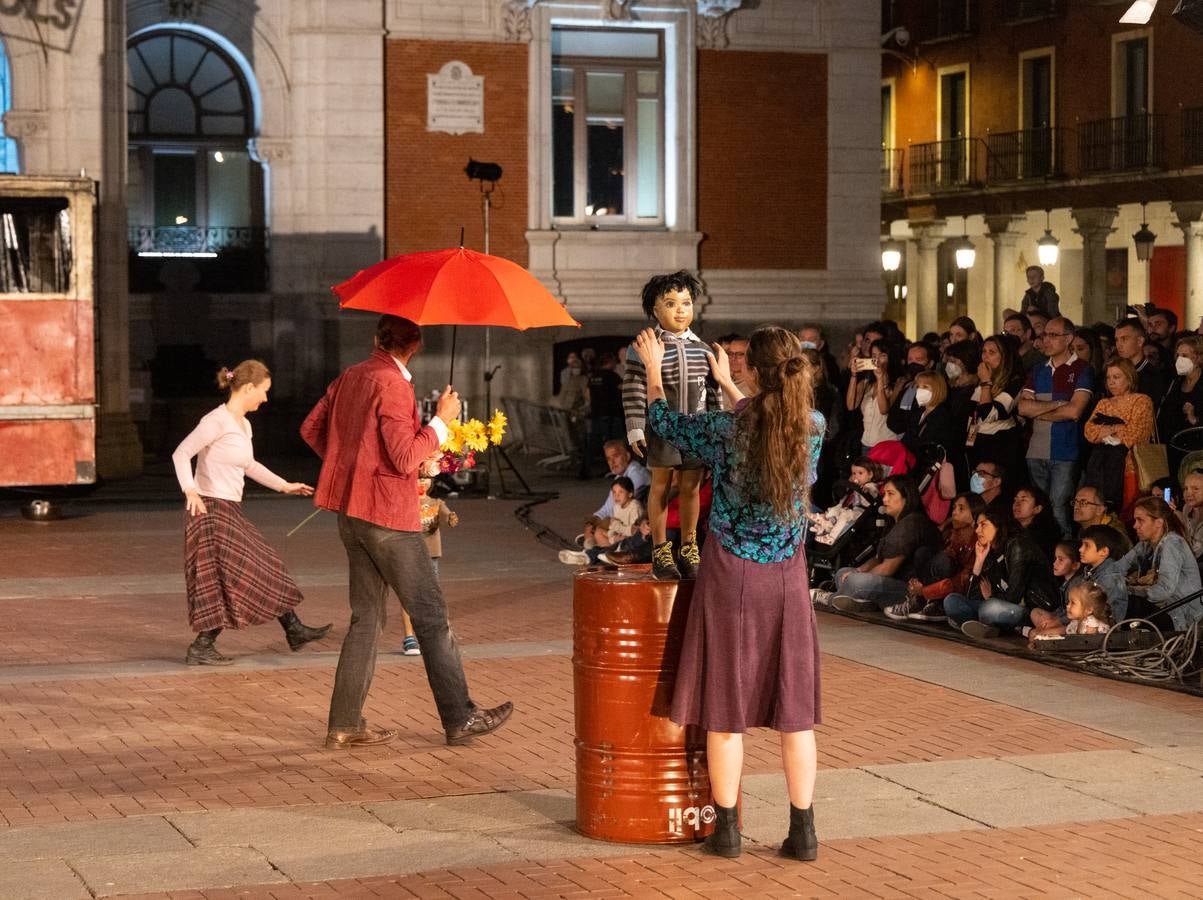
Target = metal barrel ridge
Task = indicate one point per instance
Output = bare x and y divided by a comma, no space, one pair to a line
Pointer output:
640,778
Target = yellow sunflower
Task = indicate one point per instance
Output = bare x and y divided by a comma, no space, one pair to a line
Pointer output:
497,427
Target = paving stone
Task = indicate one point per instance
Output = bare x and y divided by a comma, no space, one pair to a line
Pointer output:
1189,756
562,842
315,828
986,775
1045,804
411,851
1159,795
194,869
149,834
852,817
1089,767
481,813
41,879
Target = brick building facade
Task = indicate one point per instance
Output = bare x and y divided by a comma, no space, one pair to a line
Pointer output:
263,152
1002,119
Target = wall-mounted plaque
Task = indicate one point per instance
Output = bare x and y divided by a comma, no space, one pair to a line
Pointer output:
455,100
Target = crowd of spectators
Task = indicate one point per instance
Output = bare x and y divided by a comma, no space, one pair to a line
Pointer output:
1021,493
999,475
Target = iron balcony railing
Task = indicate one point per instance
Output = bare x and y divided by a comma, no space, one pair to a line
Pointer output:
187,239
943,165
1121,144
939,19
1018,10
1132,144
1020,155
1192,137
227,260
891,170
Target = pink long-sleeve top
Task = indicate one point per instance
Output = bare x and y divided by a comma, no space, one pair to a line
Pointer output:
222,445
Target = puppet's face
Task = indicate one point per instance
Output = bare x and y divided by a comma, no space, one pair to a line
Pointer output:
674,310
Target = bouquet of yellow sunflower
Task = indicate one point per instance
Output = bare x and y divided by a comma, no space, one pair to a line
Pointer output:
466,439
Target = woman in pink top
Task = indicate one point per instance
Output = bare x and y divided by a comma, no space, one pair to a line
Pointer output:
234,577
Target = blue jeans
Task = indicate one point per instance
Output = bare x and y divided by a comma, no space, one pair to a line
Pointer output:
961,609
880,589
1058,478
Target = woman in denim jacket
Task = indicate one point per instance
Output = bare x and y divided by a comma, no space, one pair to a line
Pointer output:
1161,567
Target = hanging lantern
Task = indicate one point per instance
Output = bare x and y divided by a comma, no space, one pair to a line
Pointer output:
1144,239
891,255
1047,250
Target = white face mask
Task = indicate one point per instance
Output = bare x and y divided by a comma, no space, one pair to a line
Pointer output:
953,370
923,396
1183,366
809,345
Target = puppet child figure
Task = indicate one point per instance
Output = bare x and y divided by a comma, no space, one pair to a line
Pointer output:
668,299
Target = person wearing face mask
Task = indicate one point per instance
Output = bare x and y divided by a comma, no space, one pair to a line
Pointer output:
960,367
1183,406
904,412
935,424
813,337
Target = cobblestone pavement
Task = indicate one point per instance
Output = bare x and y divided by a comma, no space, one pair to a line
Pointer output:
946,770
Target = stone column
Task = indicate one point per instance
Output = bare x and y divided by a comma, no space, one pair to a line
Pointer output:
1005,294
118,449
1094,226
923,289
1190,220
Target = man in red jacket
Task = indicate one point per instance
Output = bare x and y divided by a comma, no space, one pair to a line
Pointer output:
371,440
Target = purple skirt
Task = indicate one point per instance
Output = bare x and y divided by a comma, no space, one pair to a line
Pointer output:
750,655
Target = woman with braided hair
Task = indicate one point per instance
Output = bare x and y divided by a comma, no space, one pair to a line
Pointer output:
234,578
750,655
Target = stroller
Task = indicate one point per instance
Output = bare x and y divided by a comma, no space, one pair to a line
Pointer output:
861,530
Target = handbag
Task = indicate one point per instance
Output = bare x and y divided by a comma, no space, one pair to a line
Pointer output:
1151,462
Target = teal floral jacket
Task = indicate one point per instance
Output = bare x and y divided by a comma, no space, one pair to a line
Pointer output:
743,526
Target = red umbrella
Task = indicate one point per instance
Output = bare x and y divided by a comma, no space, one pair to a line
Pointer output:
454,287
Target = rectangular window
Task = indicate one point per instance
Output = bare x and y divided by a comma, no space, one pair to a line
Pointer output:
175,189
954,127
607,126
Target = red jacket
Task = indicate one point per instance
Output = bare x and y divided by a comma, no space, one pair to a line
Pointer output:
371,440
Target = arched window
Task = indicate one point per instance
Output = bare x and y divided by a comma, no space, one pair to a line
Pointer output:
194,189
182,85
8,147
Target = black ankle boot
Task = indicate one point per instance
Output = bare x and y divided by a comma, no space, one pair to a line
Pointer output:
725,840
201,651
299,634
801,842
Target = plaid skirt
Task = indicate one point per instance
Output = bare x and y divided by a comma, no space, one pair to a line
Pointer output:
234,577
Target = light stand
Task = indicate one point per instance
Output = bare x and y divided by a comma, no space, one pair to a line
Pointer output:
488,174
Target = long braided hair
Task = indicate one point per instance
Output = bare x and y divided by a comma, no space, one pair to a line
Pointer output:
775,427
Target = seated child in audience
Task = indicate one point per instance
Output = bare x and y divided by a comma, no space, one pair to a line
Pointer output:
620,523
1088,612
862,493
1067,567
630,550
943,572
621,550
1101,550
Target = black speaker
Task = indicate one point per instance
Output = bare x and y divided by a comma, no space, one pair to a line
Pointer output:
1190,13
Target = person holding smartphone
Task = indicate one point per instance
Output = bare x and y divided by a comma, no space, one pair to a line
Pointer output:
876,381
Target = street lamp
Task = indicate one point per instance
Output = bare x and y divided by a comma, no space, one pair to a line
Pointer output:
891,255
964,253
1046,247
1144,239
1139,13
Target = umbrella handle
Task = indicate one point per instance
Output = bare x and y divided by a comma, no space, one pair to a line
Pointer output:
451,374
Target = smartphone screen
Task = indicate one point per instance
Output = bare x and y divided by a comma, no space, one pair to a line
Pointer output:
1168,494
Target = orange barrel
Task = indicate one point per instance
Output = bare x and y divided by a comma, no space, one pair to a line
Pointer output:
639,778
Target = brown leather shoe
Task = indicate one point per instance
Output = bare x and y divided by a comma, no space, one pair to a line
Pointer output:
366,737
480,723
